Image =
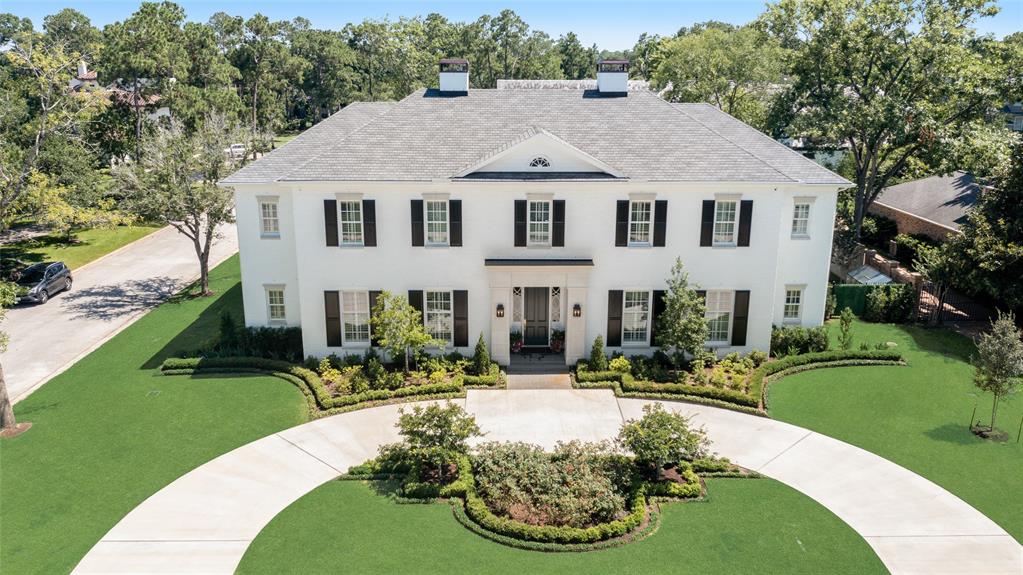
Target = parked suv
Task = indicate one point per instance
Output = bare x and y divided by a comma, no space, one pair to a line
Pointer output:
38,282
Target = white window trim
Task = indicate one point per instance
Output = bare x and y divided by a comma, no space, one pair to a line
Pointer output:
809,217
353,198
802,301
529,222
275,200
451,312
270,320
649,317
727,342
650,223
369,316
447,221
718,199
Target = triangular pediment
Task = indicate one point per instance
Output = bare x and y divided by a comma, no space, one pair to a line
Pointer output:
537,151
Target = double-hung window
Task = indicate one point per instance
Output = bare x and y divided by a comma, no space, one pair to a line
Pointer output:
793,304
269,220
539,223
801,220
275,310
437,222
640,217
355,316
440,322
719,316
636,317
351,223
725,212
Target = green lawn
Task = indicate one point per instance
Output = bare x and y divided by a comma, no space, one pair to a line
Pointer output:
916,416
747,526
109,432
89,245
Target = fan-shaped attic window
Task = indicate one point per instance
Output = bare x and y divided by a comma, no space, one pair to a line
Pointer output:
539,162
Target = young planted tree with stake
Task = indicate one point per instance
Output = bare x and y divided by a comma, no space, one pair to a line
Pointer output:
998,365
399,327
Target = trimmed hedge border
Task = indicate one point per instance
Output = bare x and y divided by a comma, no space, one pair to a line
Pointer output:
314,389
754,402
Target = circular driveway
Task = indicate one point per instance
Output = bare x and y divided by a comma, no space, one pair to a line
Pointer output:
204,521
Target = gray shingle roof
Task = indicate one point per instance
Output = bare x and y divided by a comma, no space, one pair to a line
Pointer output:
428,136
942,199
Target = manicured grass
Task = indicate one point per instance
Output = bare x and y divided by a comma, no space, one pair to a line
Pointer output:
110,432
281,139
746,526
89,245
916,416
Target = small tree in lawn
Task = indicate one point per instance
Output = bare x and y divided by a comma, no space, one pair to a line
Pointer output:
682,326
998,365
437,434
8,425
481,357
845,337
399,327
662,438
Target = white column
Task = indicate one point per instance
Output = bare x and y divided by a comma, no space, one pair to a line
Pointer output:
575,327
500,348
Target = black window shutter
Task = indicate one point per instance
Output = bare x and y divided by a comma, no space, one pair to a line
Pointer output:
418,231
558,237
455,215
369,223
660,222
702,294
520,223
330,221
461,301
622,224
745,220
658,309
373,295
332,317
740,317
415,299
707,224
614,317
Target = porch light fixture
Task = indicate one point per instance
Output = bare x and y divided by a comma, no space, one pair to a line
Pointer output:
500,310
577,310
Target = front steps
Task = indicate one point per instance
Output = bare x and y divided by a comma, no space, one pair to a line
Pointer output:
540,362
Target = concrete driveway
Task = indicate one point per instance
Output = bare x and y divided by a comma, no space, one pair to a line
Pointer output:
108,295
204,521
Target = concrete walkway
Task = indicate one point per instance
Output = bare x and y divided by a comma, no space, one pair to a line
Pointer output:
108,295
204,521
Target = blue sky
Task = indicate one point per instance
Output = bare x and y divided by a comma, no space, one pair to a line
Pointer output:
611,25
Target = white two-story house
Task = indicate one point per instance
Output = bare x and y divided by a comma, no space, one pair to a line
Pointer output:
533,209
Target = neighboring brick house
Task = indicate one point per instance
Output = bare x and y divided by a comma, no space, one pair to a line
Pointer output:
934,206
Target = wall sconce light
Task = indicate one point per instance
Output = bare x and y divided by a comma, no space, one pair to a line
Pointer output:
500,310
577,310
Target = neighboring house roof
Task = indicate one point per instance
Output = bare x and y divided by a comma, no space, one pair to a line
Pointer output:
944,200
431,136
1015,108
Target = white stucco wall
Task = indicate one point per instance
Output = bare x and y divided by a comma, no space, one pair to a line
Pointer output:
301,261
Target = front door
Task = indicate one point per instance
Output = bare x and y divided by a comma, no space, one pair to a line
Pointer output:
536,316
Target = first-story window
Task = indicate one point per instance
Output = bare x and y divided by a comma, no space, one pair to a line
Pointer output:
269,222
539,223
801,219
636,317
793,303
351,223
719,315
355,316
639,223
439,319
437,222
275,304
724,222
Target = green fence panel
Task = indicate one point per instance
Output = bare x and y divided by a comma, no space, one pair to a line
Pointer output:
852,296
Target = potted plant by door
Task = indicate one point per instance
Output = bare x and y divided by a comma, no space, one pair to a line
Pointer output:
516,341
557,340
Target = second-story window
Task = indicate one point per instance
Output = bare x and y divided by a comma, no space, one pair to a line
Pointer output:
801,220
269,221
351,223
539,223
724,222
437,222
640,216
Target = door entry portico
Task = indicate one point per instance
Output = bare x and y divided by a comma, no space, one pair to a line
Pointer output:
536,317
